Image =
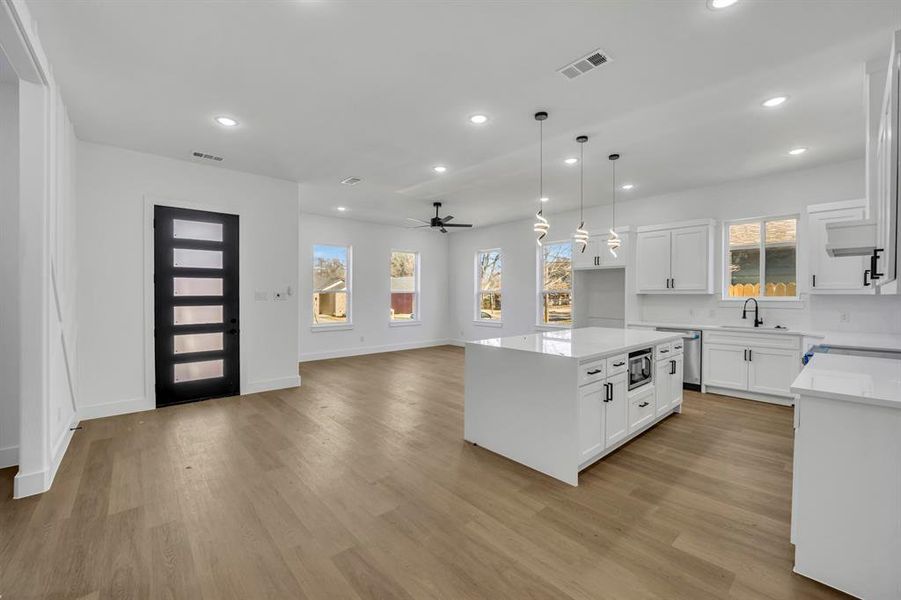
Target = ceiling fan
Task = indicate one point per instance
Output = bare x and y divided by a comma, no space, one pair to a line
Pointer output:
437,222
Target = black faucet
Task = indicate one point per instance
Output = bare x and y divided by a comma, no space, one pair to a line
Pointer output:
744,312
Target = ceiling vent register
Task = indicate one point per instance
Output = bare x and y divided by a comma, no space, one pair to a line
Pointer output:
206,156
351,181
585,64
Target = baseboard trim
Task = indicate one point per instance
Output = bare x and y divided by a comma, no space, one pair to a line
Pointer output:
111,409
38,482
9,456
255,387
745,395
305,357
455,342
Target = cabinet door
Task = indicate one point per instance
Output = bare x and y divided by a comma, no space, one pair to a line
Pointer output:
587,259
772,370
607,259
725,366
662,386
829,272
690,259
617,410
675,382
652,261
591,420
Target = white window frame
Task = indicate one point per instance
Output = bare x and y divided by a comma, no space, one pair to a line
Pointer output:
727,276
417,295
477,296
348,270
539,263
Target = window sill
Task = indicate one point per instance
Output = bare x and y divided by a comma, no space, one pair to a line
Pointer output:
335,327
546,327
403,323
481,323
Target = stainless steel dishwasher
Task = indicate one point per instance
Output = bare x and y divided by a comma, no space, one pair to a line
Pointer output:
691,352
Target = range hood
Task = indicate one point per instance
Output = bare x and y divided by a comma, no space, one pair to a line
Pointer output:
851,238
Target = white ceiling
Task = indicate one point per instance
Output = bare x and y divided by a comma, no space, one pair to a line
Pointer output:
383,90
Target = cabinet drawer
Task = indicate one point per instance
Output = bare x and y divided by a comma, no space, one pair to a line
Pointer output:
677,346
592,371
641,410
663,351
617,364
752,338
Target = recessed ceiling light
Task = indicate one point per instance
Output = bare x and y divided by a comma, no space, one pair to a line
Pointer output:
571,160
718,4
341,208
797,151
226,121
439,168
628,186
774,102
478,119
544,198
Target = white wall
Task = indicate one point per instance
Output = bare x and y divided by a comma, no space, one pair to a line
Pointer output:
115,189
787,193
372,245
9,274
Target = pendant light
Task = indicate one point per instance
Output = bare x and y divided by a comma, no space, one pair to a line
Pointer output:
581,235
614,241
541,225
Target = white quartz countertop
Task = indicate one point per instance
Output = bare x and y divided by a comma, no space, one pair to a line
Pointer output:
582,342
865,380
716,327
871,341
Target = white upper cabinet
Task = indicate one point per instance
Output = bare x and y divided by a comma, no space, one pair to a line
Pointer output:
675,258
835,274
597,254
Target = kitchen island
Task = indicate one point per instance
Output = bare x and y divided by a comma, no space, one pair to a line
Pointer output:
558,401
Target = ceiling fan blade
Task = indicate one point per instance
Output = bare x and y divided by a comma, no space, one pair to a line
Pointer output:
458,225
447,218
443,230
418,221
416,226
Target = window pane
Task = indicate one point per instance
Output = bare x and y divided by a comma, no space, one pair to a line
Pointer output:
744,235
198,342
195,230
329,307
557,308
490,270
197,315
207,369
197,286
780,277
403,306
197,259
330,268
744,259
558,266
403,272
490,306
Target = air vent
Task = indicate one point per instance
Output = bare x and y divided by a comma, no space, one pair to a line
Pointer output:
587,63
207,156
351,181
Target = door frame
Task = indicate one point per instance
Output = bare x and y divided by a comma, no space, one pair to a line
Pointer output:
149,400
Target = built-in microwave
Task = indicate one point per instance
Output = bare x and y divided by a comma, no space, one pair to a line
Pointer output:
639,368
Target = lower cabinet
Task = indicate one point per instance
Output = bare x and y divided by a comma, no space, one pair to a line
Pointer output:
762,364
675,382
591,419
616,420
726,366
641,409
668,384
772,370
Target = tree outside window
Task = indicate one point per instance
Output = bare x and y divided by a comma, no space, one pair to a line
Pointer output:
555,300
489,267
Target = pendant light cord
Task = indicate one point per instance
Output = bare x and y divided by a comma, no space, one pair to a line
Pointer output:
540,165
581,181
613,222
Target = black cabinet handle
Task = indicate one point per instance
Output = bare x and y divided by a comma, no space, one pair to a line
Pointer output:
673,282
750,355
643,404
866,275
814,282
874,272
608,396
672,365
619,364
745,355
664,351
594,371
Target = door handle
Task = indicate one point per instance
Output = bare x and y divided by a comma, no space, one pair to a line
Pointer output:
814,281
673,282
874,272
609,396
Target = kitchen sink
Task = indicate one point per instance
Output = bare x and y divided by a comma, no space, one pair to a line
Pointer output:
752,328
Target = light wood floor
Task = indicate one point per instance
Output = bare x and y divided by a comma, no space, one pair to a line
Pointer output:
359,485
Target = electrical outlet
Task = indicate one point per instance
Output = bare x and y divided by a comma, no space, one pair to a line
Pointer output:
844,317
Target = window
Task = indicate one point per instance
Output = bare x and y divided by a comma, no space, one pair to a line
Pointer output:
762,259
404,286
331,285
488,285
555,298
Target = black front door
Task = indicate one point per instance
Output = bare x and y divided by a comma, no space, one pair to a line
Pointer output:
196,324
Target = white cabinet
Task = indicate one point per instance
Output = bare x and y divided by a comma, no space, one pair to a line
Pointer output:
591,419
675,258
835,274
617,411
597,254
668,383
759,366
675,381
641,409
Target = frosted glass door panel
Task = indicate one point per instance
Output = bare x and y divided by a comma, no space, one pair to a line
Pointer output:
197,259
198,342
207,369
195,230
197,315
197,286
